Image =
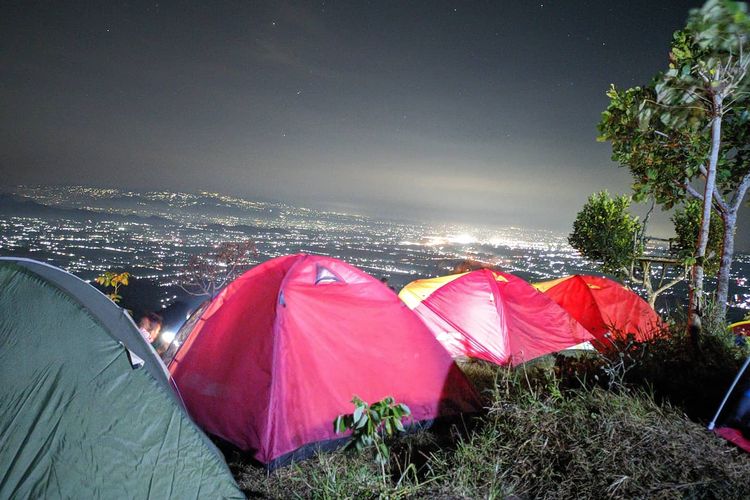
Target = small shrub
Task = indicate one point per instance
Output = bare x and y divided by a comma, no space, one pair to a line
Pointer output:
693,378
114,281
370,424
587,443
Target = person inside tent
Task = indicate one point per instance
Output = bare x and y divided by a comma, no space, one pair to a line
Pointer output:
150,326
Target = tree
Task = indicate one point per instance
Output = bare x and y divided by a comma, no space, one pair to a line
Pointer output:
734,183
604,231
669,134
208,273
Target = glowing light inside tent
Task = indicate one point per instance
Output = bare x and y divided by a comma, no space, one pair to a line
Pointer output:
168,336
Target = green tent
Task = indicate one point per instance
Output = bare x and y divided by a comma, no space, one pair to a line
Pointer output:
86,409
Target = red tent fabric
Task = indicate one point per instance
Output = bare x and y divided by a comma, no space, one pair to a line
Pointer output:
281,351
603,306
493,316
734,436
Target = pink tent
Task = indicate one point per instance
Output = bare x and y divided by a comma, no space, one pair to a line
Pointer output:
493,316
281,351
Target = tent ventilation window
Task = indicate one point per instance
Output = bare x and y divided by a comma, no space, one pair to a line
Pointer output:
325,275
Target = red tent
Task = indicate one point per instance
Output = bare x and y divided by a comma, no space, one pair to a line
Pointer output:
602,305
281,351
732,419
493,316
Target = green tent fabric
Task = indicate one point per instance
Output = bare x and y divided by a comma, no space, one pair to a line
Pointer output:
77,419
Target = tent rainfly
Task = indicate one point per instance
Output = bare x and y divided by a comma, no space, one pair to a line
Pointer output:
86,409
494,316
732,419
604,307
283,349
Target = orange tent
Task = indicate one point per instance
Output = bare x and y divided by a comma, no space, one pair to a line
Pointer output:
493,316
603,306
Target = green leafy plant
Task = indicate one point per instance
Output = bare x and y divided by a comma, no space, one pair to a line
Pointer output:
371,424
114,281
686,221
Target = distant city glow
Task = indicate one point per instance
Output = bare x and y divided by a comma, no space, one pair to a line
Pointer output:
153,235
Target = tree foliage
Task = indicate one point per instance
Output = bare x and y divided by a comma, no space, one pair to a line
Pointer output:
686,222
689,127
661,159
605,232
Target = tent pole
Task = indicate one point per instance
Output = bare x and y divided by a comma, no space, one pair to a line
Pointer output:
712,424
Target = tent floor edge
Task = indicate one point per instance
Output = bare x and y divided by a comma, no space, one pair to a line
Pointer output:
229,450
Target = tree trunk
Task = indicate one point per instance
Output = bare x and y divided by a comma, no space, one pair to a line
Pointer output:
695,308
648,286
729,218
646,268
727,255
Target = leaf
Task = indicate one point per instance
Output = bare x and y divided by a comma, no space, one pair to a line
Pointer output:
338,424
400,426
389,427
358,411
383,449
363,420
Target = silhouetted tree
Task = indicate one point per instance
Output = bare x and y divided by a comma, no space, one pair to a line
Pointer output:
208,273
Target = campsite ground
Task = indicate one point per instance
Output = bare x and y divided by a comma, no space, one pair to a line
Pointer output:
562,428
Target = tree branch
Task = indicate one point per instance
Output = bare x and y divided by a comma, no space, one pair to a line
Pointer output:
692,192
740,193
719,204
672,283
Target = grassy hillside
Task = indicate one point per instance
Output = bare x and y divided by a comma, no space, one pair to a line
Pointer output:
542,436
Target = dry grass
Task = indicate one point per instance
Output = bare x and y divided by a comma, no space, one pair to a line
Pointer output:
535,441
590,443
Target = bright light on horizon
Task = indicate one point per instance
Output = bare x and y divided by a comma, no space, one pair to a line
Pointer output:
462,239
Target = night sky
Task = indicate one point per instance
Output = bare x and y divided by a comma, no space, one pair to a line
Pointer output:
439,111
